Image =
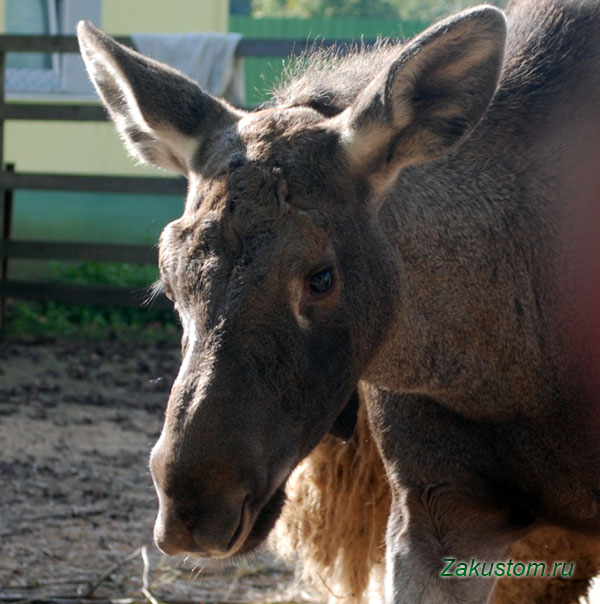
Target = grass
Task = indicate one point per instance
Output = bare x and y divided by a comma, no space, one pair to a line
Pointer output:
121,274
56,320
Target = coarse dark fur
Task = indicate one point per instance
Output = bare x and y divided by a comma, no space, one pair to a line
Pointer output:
415,219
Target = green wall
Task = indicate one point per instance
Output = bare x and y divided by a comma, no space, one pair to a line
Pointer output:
87,217
262,74
93,217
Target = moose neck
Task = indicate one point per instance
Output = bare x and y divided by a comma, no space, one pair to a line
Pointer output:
488,238
466,319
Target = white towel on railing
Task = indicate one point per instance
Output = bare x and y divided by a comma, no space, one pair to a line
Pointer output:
208,58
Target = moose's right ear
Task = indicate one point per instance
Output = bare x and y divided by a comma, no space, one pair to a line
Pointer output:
429,99
162,115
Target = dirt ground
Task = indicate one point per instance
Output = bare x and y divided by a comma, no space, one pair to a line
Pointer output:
76,499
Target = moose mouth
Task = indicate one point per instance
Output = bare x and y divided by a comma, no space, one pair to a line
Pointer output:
264,523
270,512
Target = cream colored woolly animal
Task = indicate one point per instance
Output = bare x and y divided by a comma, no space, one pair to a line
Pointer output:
335,522
335,517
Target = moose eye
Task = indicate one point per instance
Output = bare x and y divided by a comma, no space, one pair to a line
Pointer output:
322,282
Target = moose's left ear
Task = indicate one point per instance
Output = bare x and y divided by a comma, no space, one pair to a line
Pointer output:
430,97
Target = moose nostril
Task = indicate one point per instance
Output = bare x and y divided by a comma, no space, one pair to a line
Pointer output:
166,546
171,534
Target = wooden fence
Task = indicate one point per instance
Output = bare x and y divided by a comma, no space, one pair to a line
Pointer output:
11,179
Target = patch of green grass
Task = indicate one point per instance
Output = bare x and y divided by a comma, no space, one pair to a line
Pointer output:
120,274
43,320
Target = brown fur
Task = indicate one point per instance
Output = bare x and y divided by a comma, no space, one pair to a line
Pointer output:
408,219
335,518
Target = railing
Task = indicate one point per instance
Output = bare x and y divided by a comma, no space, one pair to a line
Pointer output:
11,179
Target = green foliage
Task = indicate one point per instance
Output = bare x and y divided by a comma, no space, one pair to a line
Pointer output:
305,9
425,11
50,320
58,320
103,273
428,11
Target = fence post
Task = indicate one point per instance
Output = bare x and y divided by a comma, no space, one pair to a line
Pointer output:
5,198
7,214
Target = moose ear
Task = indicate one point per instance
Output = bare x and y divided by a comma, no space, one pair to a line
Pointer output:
429,99
162,115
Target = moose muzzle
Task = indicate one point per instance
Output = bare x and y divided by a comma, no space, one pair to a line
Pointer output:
216,533
204,504
203,513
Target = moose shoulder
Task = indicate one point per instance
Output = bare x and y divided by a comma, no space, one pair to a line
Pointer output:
406,217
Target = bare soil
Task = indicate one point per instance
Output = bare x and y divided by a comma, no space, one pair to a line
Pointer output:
77,505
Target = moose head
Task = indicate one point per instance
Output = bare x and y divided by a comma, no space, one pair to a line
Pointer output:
281,268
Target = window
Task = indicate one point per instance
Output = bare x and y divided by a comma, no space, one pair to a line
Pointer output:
37,75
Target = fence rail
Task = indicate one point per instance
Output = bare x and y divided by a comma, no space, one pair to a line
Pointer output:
81,294
83,182
252,47
11,179
66,250
62,112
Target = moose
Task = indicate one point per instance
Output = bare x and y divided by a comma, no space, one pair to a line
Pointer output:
411,218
